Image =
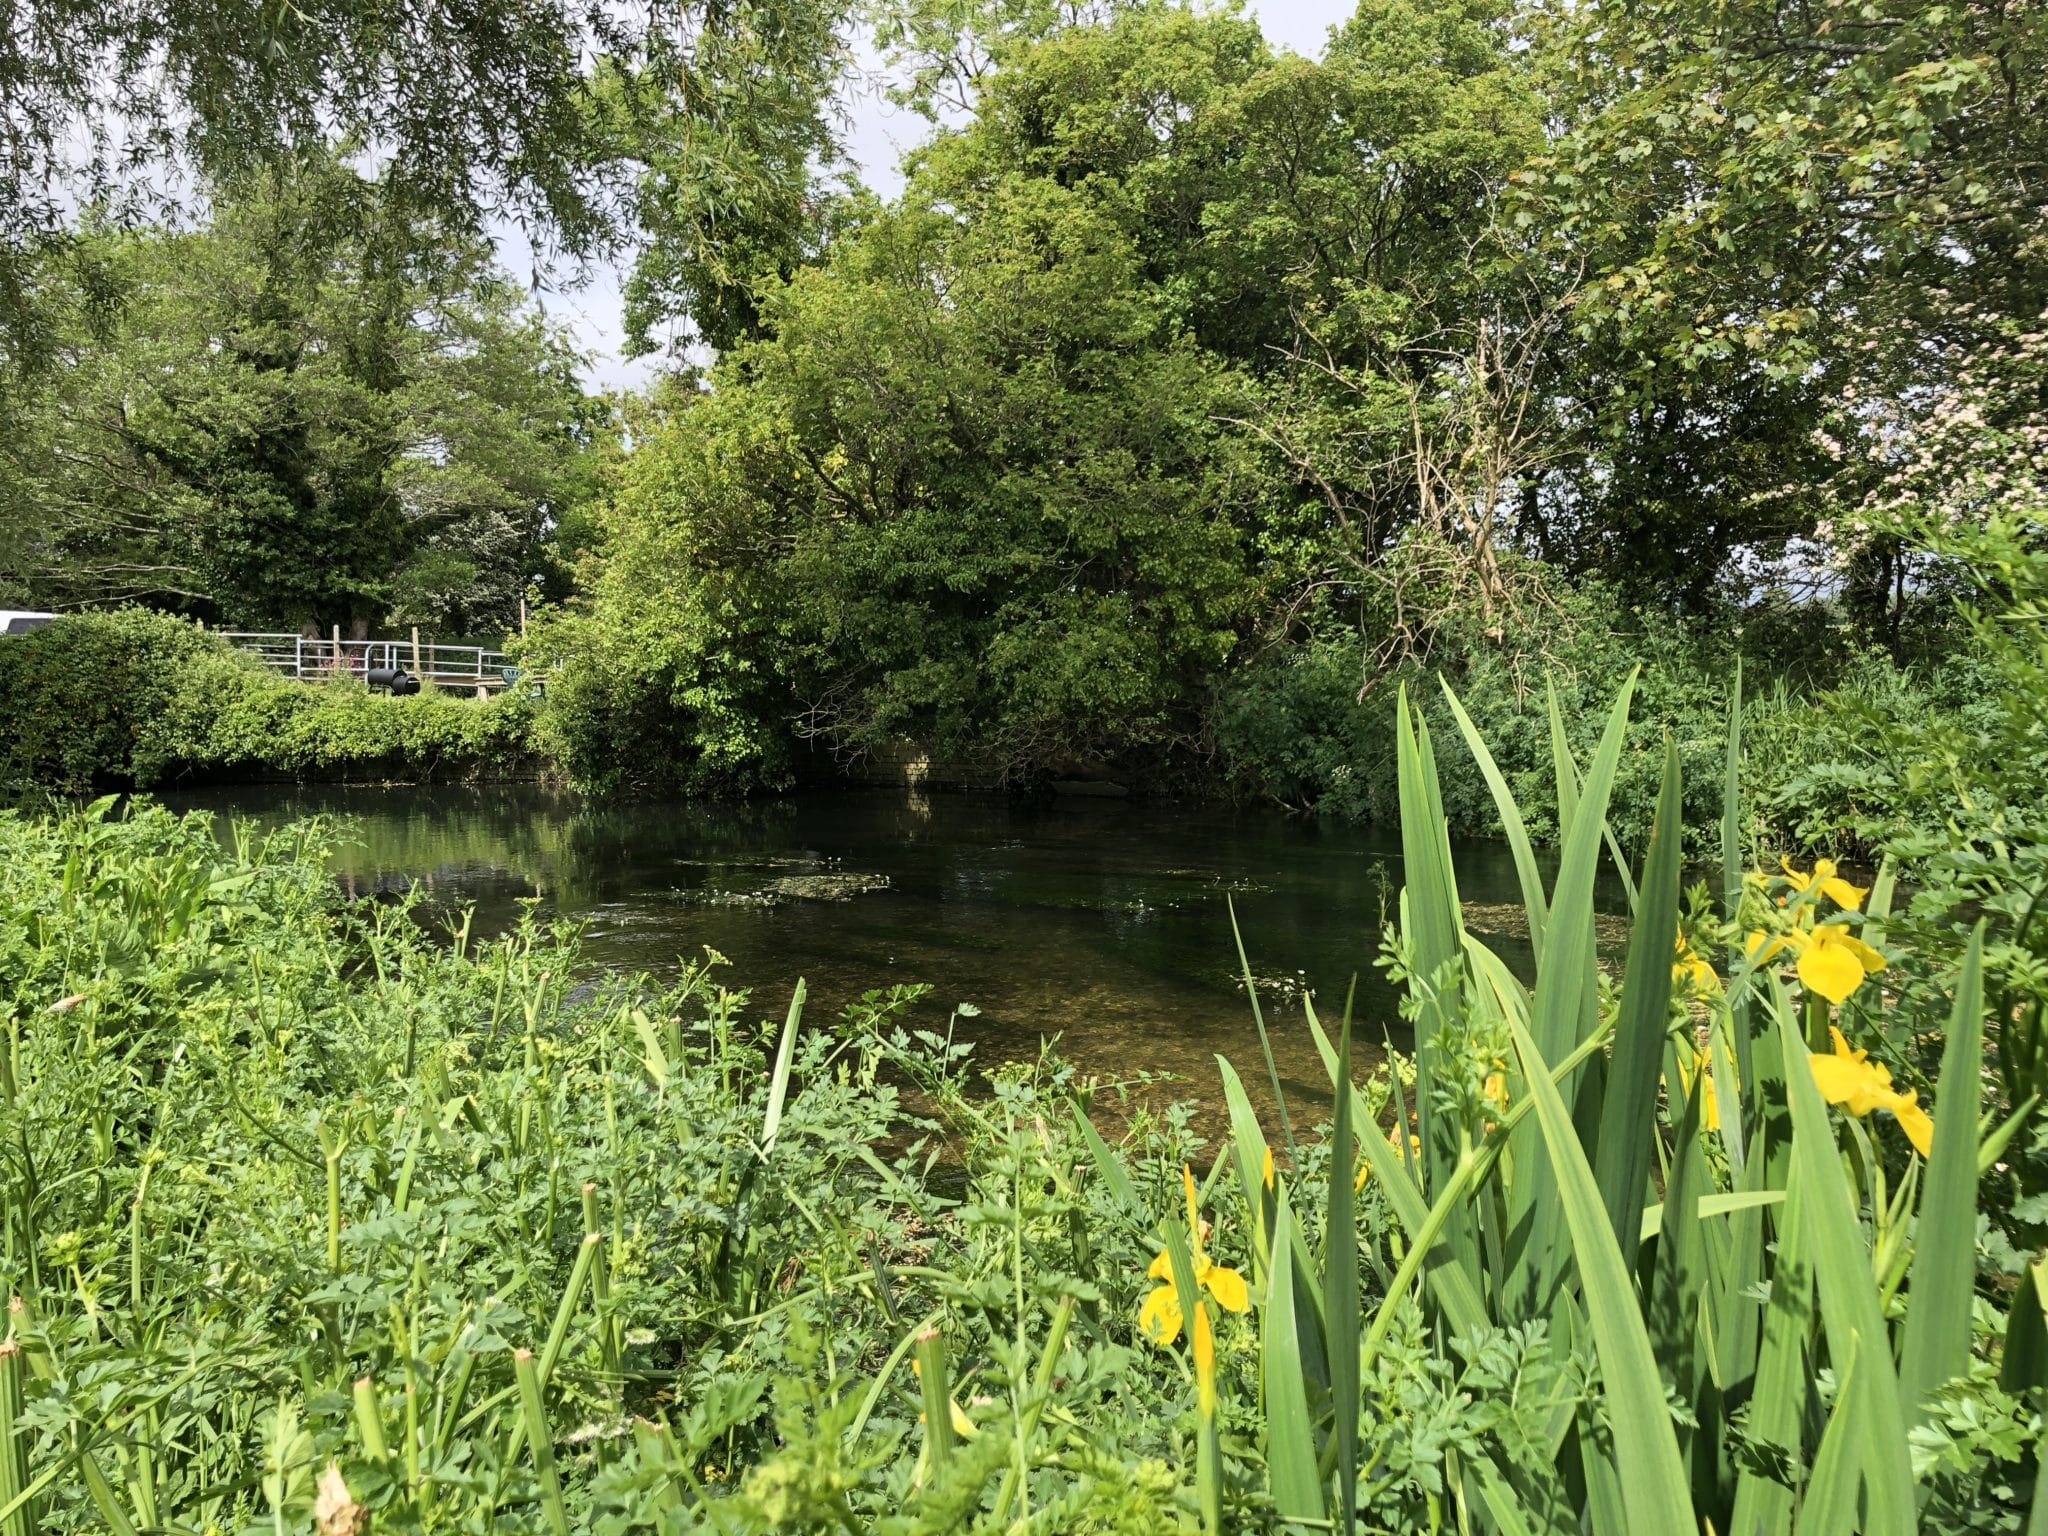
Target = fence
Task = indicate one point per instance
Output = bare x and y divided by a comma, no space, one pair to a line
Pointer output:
311,659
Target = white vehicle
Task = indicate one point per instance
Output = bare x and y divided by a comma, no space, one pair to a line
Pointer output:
19,621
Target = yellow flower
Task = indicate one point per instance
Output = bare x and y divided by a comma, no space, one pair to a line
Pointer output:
1689,968
1833,961
1161,1315
1205,1362
1859,1085
1393,1140
1702,1072
1269,1166
1832,886
1496,1085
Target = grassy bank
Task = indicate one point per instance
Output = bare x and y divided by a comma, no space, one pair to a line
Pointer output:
315,1218
133,698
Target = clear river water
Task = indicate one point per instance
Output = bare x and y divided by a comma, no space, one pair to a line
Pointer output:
1105,923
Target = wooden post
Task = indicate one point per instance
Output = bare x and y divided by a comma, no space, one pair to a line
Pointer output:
417,669
337,647
522,618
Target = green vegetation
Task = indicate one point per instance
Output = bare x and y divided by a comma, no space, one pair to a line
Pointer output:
131,697
317,411
311,1215
1620,429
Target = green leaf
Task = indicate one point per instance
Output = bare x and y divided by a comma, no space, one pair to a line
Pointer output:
1731,804
1563,768
1654,1490
1251,991
1107,1163
2023,1367
1432,929
1944,1272
1829,1507
1250,1144
1777,1410
1340,1295
1555,1025
1848,1295
1628,1116
1296,1486
1511,824
778,1085
1450,1284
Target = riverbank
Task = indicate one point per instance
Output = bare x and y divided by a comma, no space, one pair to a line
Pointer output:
131,699
465,1232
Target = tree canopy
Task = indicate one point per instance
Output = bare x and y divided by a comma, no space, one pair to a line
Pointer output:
317,411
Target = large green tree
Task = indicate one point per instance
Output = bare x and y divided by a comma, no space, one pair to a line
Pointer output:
1019,466
315,411
1794,221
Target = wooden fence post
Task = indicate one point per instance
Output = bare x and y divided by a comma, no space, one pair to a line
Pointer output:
417,670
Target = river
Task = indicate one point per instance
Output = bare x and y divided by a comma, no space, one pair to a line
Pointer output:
1104,923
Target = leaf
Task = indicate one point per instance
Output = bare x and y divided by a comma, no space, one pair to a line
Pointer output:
1432,928
1451,1284
778,1085
1561,989
1628,1115
1712,1205
1296,1486
335,1510
1511,823
1340,1295
1848,1295
1252,1152
1944,1268
1654,1490
1829,1506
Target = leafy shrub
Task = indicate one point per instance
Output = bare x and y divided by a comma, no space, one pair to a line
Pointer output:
1294,727
78,696
138,698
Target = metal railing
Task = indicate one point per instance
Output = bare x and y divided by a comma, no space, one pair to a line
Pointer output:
311,659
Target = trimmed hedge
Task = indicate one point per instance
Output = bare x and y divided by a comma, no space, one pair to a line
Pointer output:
131,698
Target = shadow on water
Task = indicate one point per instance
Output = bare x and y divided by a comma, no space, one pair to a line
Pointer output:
1104,923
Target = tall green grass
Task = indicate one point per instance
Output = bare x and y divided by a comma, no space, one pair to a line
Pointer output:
1766,1316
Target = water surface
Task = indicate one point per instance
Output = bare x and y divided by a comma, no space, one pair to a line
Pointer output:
1104,923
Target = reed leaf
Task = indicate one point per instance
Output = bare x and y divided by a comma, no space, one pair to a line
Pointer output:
1627,1119
1654,1489
1848,1300
1555,1027
1296,1486
1936,1347
1512,826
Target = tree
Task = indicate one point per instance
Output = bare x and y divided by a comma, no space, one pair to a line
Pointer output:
1780,210
980,478
318,411
465,111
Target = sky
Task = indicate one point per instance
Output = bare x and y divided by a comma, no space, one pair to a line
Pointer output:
877,136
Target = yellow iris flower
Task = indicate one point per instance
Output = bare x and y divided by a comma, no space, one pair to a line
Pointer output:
1702,1072
1831,960
1833,886
1393,1140
1859,1085
1205,1362
1689,968
1161,1316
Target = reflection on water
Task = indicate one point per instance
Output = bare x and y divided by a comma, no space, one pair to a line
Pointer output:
1105,923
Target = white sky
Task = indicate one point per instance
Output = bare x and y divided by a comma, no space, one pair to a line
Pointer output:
877,136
